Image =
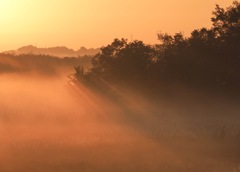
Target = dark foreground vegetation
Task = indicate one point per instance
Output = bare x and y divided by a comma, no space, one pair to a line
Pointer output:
207,61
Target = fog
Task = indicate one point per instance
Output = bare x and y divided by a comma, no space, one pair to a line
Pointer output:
48,124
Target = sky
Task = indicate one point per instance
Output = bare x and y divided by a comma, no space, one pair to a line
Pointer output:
94,23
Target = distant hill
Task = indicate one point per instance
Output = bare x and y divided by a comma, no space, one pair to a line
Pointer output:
59,51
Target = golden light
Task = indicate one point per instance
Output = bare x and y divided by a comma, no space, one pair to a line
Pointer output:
4,5
76,23
7,10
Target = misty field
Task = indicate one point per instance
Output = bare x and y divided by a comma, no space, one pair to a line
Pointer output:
47,126
141,103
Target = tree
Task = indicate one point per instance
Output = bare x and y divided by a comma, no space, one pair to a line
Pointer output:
226,25
207,60
123,60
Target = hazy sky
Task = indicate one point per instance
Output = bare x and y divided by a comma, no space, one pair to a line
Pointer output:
93,23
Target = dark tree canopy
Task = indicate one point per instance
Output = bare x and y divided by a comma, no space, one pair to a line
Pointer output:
123,60
208,60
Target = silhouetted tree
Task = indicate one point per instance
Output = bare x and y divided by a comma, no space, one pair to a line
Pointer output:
123,60
208,60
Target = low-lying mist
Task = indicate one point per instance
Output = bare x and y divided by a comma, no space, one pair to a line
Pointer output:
47,124
40,64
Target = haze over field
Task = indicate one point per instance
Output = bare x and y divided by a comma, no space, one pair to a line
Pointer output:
47,126
149,102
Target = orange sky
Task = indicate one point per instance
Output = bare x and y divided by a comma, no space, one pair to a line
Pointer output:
93,23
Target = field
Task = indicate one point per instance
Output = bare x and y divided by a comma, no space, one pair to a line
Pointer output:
47,126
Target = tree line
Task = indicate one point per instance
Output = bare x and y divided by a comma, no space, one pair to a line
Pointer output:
207,60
